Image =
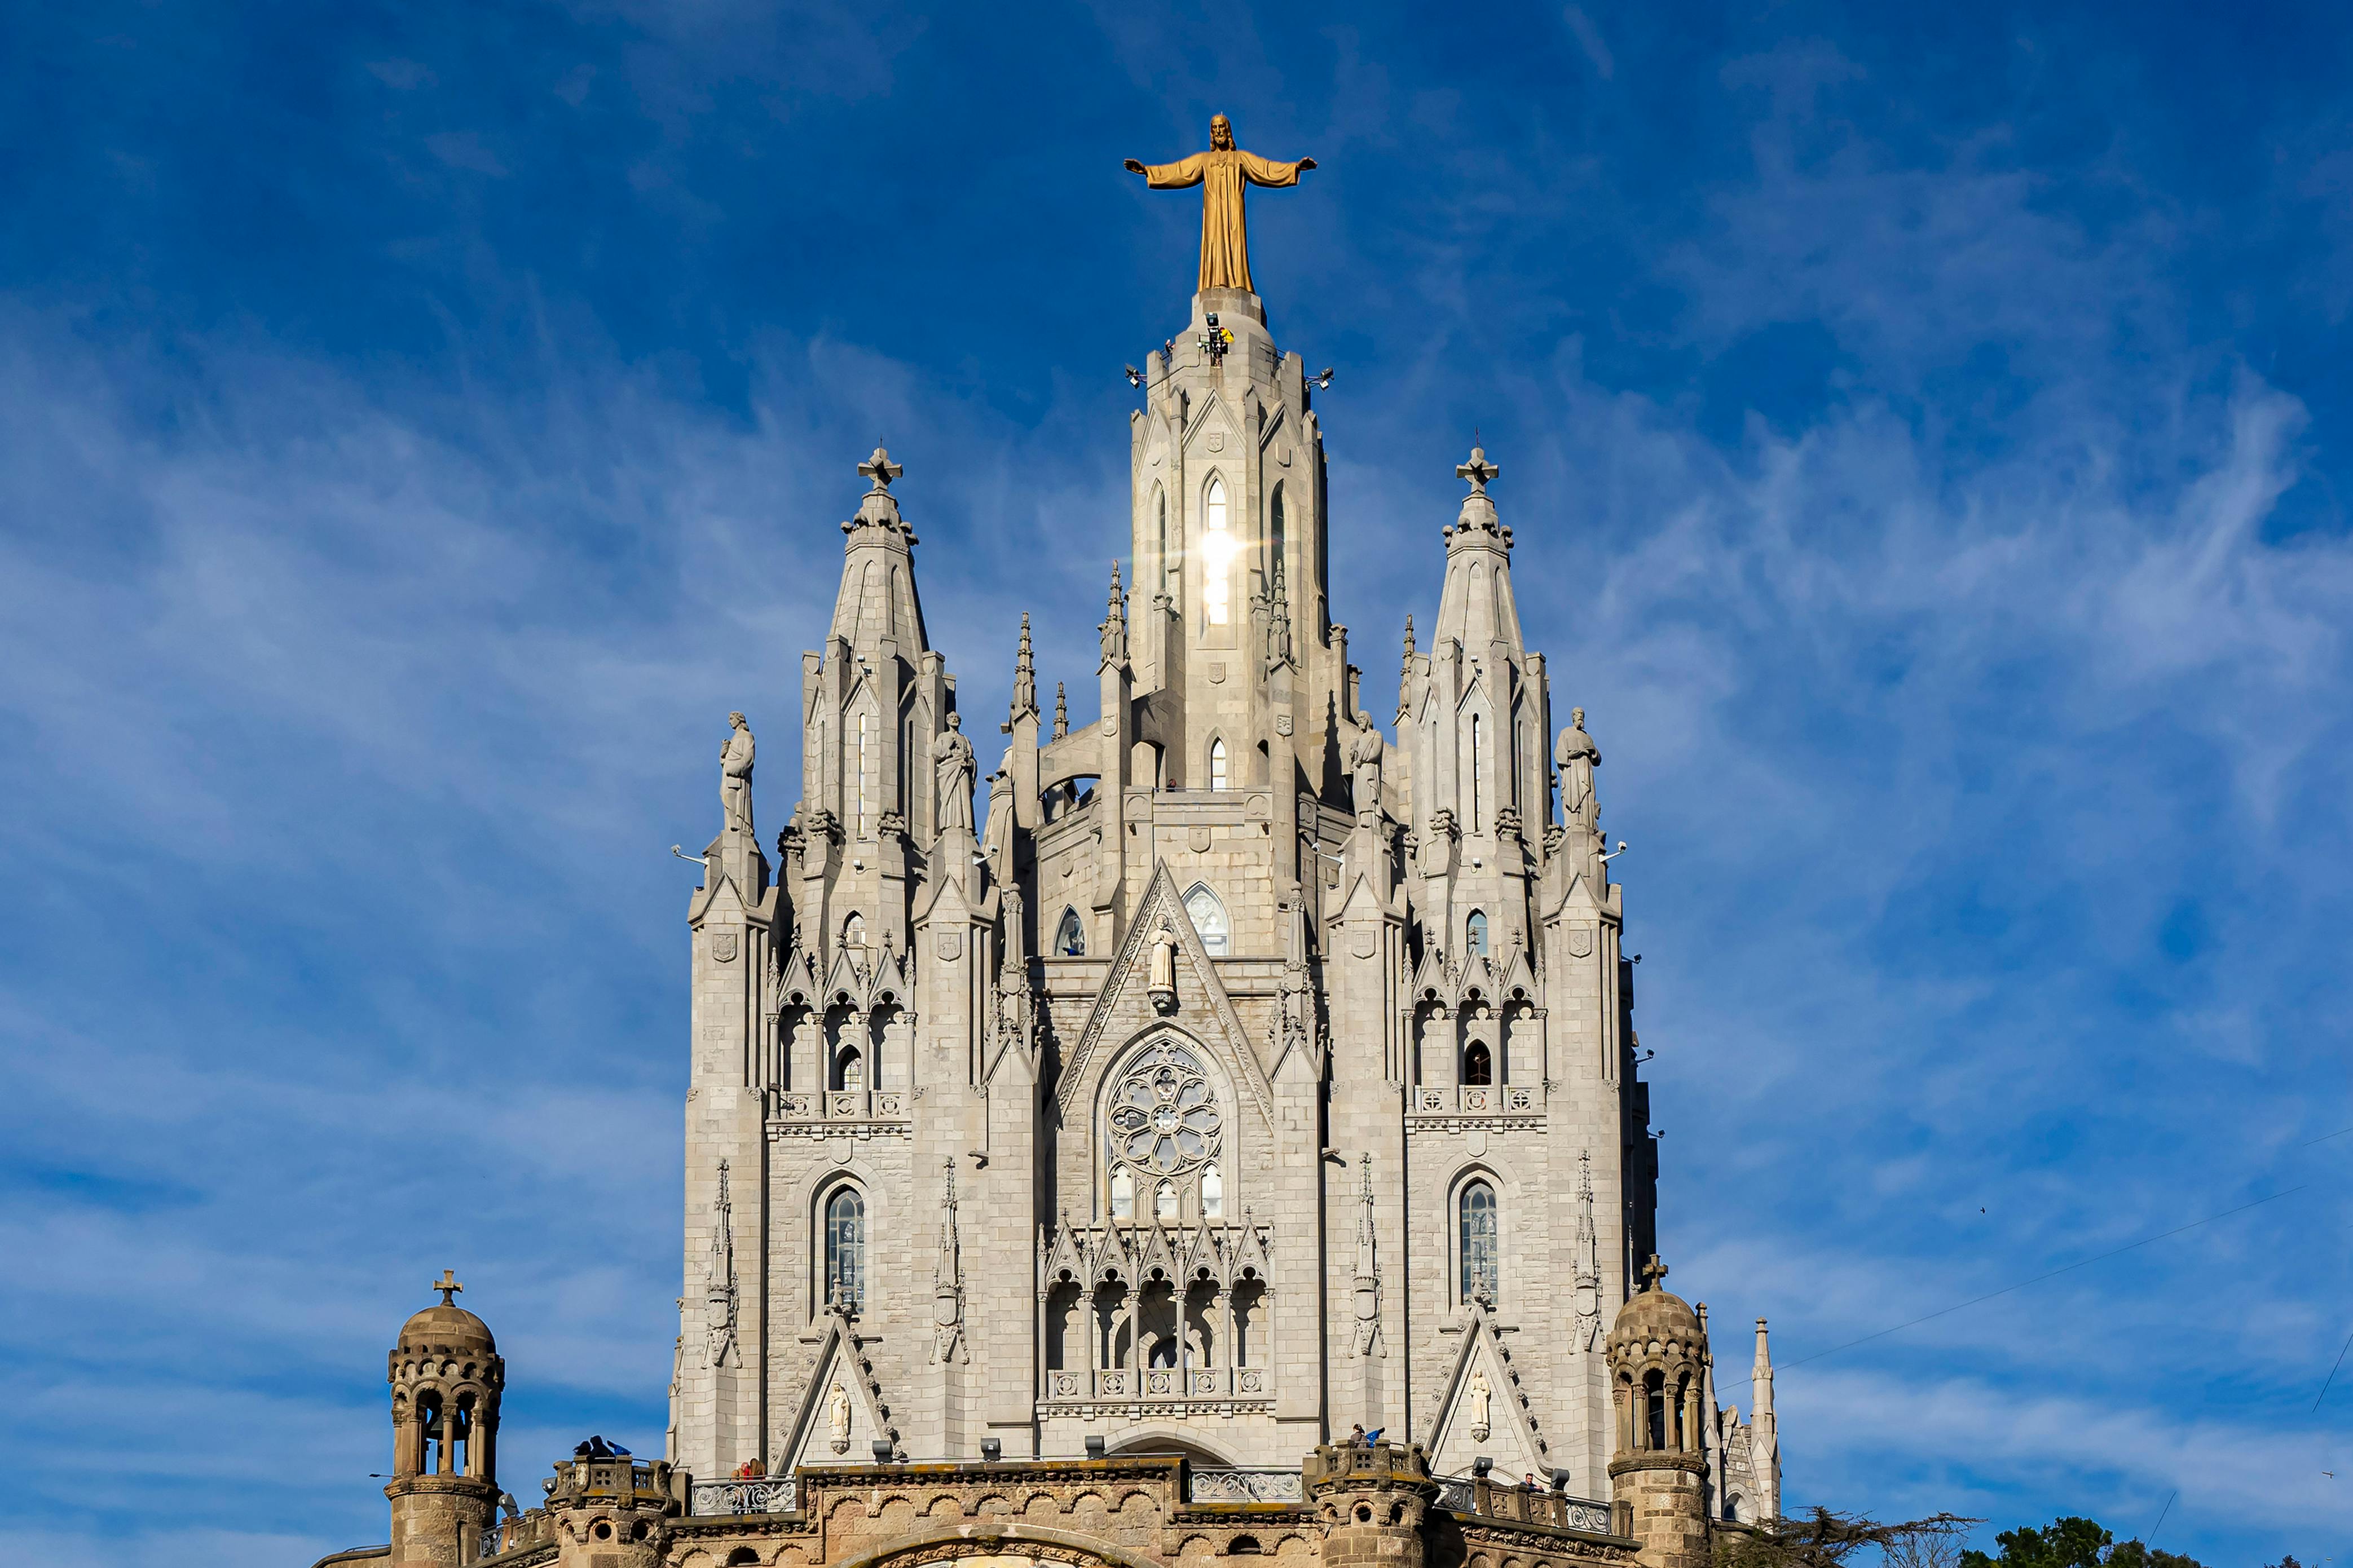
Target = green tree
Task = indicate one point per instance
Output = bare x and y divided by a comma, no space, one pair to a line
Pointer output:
2074,1543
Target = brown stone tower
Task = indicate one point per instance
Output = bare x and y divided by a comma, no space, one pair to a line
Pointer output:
1372,1498
1657,1365
446,1376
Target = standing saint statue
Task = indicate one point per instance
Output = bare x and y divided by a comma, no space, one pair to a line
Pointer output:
1365,754
952,771
1575,755
1221,172
735,776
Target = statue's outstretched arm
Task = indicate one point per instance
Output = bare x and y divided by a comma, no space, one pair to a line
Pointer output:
1267,171
1170,176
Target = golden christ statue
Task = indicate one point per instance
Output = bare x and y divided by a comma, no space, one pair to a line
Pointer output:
1221,172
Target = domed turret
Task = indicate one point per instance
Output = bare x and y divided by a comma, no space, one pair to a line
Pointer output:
446,1376
1657,1353
447,1326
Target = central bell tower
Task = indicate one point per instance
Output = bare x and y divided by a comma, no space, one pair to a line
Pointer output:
1242,673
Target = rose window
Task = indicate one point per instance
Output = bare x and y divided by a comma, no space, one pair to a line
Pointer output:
1164,1116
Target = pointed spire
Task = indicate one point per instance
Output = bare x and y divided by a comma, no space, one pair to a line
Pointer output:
1061,711
1405,674
1025,679
1114,623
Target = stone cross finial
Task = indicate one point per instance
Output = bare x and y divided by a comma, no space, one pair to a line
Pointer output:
447,1284
1653,1272
1478,470
880,469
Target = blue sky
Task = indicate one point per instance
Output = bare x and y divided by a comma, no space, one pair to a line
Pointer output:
1926,437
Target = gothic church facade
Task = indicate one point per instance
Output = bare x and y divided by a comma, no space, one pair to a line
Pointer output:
1257,1062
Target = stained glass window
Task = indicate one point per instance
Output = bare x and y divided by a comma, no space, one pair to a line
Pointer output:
1476,1226
845,1248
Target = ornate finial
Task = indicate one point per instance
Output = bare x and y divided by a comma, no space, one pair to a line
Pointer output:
1062,712
1025,679
880,469
447,1284
1114,629
1478,470
1405,673
1653,1272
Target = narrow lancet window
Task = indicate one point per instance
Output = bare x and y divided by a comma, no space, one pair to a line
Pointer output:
845,1249
1478,768
1122,1193
1217,765
1071,937
1475,937
1216,555
1213,1194
1476,1224
865,794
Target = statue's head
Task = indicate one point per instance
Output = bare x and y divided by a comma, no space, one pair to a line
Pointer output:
1576,717
737,720
1221,132
955,720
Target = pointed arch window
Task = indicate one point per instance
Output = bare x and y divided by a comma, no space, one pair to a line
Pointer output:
845,1249
1070,937
1208,918
1213,1193
1217,553
1474,934
1217,779
1476,1232
1477,1065
1276,570
865,794
1168,564
853,930
1164,1201
1478,768
1122,1193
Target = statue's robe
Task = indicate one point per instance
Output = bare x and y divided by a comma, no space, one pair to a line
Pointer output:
1225,238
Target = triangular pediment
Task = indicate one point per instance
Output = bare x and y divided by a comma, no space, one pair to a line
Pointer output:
1480,1414
824,1431
1212,1019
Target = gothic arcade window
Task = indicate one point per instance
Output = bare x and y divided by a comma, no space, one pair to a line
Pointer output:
1475,1238
1164,1128
1216,555
1477,1065
845,1248
1208,918
1475,934
1071,937
853,930
1217,765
